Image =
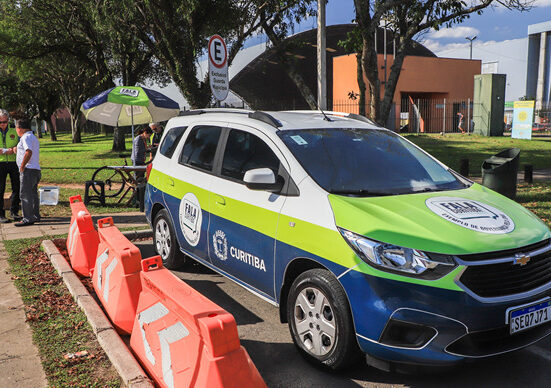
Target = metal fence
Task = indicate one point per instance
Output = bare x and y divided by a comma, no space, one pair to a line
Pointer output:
426,115
542,118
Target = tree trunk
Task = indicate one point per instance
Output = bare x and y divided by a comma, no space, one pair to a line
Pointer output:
75,130
371,71
392,81
361,84
290,67
38,128
118,140
51,129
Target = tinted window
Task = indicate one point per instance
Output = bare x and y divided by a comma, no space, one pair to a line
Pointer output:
244,152
200,147
366,162
171,140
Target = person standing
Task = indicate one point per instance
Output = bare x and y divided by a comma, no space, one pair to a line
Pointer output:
156,139
8,166
140,146
139,150
28,155
460,125
157,129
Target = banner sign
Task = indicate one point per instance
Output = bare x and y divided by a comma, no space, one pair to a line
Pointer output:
218,67
523,118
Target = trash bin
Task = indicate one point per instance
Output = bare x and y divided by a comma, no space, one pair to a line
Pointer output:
499,172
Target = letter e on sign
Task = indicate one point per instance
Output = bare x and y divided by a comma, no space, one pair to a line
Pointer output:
218,67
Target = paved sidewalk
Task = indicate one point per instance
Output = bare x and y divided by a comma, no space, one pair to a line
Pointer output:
19,361
60,225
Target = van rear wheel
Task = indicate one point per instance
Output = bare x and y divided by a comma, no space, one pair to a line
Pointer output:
320,321
165,242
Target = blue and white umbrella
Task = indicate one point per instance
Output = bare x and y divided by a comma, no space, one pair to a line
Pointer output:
129,105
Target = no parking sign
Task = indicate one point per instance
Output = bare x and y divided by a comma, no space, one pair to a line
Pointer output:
218,67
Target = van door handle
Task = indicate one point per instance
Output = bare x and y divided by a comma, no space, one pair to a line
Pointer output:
219,200
170,182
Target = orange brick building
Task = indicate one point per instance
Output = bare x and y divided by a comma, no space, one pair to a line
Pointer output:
425,82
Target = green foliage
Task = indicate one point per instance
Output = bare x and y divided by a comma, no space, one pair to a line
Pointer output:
177,31
405,20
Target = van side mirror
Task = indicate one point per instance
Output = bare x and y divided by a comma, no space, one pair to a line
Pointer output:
263,179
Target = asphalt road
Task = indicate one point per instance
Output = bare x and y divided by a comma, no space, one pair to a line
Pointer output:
269,344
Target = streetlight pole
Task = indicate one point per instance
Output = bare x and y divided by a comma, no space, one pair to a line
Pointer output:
471,41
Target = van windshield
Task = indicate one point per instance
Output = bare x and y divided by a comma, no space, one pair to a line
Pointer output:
367,162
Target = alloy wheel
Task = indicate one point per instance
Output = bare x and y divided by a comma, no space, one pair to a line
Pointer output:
315,322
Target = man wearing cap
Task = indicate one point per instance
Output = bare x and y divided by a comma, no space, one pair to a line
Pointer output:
27,157
8,166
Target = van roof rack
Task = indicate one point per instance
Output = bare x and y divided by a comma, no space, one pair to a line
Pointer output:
192,112
266,118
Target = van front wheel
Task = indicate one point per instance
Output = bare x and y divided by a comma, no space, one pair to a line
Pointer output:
320,321
165,242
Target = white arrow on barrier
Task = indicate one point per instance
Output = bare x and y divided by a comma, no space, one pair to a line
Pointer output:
167,336
103,278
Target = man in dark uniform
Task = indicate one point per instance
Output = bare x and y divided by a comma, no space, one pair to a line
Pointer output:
157,129
8,166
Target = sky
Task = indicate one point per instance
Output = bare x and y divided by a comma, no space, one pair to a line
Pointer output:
496,24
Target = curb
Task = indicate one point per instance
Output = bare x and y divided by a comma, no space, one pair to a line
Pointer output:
136,234
130,371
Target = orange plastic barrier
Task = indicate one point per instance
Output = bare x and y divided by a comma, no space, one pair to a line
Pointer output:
83,240
183,339
116,276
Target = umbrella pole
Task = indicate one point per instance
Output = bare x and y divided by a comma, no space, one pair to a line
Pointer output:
132,120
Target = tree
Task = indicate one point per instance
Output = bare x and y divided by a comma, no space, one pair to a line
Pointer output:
177,32
131,61
276,24
30,96
407,19
98,52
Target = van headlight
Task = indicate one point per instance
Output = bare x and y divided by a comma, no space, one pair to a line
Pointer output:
400,260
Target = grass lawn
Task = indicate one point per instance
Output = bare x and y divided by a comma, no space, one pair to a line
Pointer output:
537,199
64,162
451,148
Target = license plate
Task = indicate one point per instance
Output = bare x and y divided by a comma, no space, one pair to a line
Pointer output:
530,316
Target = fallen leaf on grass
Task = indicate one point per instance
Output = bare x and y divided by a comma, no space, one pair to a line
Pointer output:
31,317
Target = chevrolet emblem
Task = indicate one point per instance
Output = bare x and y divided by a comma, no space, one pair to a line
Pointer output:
521,259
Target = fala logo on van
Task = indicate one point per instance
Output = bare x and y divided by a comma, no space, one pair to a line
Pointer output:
471,214
191,218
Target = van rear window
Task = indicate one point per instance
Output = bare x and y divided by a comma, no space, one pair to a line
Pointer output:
171,140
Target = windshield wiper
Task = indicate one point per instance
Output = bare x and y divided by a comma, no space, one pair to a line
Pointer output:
428,190
362,192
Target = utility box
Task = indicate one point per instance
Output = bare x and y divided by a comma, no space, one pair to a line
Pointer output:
489,104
